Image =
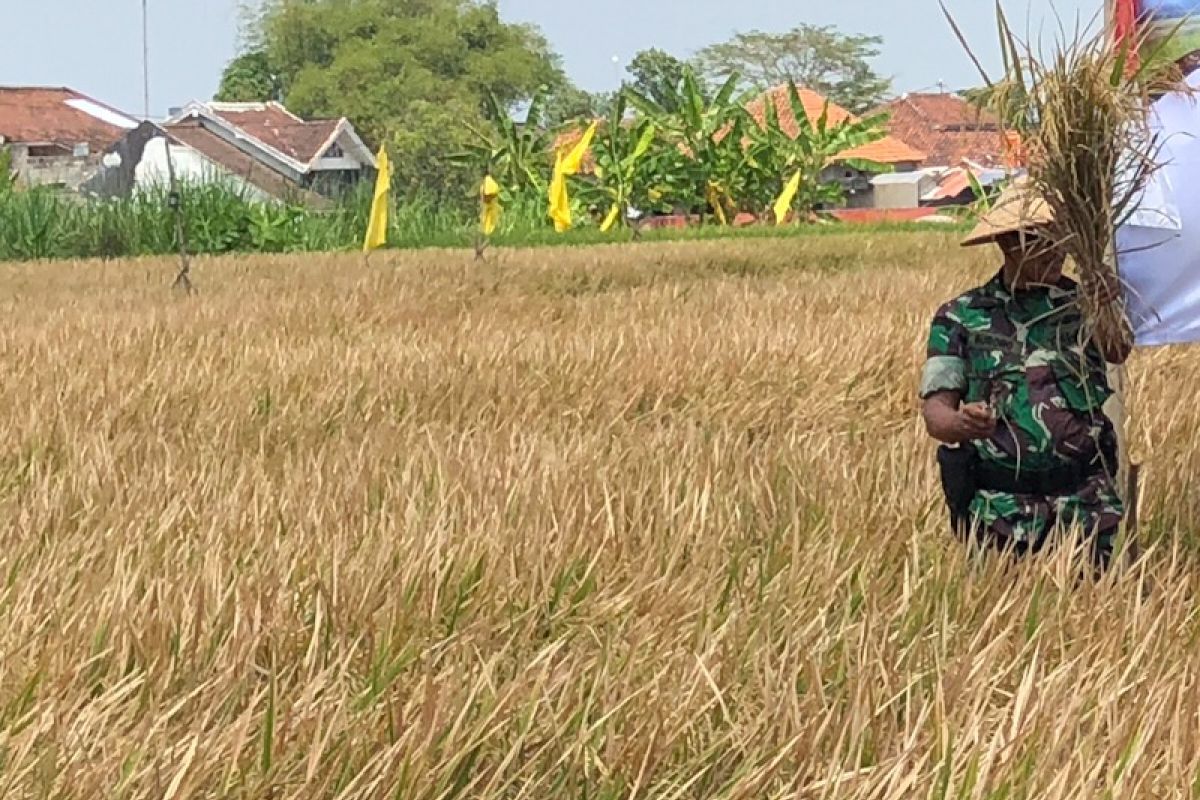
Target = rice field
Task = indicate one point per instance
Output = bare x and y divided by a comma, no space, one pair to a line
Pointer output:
651,521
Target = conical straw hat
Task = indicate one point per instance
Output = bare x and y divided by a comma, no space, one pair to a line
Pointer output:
1019,208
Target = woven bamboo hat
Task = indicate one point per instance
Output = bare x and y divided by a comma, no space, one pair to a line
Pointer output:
1018,208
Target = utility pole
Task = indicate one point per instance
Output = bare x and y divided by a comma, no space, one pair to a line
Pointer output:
146,58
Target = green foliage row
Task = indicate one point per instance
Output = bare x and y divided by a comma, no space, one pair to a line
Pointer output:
45,224
684,149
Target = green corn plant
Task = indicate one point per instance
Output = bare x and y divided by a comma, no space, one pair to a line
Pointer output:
8,178
39,224
774,155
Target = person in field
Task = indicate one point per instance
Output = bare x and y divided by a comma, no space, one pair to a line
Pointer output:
1014,387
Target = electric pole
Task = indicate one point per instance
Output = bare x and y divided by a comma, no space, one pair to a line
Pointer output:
146,58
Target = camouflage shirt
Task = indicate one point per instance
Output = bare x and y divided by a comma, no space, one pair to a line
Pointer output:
1027,354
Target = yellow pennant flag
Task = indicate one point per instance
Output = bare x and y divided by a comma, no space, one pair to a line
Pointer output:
489,204
566,164
611,219
714,200
377,227
784,204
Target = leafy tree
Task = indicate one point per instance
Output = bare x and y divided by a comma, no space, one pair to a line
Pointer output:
658,75
249,78
570,104
412,72
422,151
818,57
775,156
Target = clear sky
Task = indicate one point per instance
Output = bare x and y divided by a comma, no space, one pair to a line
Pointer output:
95,45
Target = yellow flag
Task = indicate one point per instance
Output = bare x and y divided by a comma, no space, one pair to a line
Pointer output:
784,204
714,200
611,219
489,204
560,203
568,163
573,161
377,228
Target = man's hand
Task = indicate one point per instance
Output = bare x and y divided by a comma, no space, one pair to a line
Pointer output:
949,421
977,421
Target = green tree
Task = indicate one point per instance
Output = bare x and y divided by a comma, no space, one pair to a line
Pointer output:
249,78
411,72
817,57
570,104
658,75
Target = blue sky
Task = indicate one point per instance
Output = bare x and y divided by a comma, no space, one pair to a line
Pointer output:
95,45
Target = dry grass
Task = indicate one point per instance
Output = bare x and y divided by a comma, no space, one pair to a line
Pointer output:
595,523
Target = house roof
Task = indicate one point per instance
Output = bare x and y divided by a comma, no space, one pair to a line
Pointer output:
301,143
46,115
194,135
888,150
274,125
949,129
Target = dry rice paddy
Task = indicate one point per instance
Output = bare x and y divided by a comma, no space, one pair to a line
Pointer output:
652,522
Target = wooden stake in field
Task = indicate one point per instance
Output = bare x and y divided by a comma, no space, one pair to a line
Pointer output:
489,214
183,279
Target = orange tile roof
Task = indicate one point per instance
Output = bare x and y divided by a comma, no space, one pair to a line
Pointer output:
888,150
949,129
44,115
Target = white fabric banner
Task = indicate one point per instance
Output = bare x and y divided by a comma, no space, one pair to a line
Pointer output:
1159,249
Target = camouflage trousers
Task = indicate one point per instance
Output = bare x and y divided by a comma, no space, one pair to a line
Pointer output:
1029,523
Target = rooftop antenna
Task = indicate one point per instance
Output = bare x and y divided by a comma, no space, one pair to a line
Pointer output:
146,58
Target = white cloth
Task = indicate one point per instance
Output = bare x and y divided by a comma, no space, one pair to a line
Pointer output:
1159,248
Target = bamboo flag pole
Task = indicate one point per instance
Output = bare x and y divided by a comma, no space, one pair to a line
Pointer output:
1121,17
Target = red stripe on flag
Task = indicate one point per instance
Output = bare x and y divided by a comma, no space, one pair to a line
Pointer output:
1125,16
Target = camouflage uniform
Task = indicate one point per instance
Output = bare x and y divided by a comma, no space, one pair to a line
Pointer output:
1027,354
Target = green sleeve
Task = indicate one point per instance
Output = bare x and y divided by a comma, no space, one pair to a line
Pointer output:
946,356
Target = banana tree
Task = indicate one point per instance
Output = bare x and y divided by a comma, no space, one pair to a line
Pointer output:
775,157
624,176
514,154
706,131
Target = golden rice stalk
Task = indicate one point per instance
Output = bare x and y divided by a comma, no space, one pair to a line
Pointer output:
1080,107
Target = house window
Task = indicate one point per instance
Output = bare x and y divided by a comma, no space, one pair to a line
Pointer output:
47,151
335,151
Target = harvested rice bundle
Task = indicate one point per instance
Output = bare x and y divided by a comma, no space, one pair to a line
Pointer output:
1080,110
